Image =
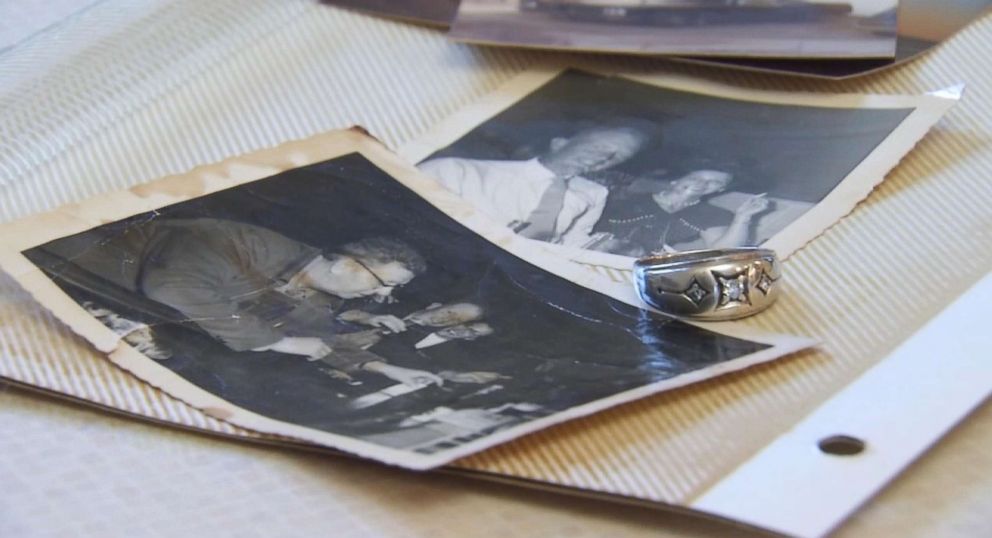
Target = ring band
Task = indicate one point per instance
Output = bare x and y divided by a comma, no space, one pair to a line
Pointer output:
709,285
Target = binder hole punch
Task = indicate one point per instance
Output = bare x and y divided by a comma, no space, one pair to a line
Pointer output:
841,445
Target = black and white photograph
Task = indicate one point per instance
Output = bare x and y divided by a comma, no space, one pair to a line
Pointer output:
332,297
611,168
820,29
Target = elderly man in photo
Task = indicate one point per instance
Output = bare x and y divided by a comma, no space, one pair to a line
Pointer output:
546,198
257,290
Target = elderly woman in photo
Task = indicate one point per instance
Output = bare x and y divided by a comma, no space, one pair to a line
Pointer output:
650,215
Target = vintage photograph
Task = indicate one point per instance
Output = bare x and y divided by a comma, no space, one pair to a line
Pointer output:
730,28
608,168
334,300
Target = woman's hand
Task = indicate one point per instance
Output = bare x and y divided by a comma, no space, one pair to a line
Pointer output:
309,347
479,378
407,376
390,323
751,207
738,232
358,340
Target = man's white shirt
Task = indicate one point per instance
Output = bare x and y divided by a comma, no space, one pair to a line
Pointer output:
510,191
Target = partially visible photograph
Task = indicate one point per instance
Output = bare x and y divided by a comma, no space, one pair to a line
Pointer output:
600,164
431,12
334,304
921,26
730,28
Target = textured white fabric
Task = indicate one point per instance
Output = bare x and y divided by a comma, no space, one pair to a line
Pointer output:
21,20
76,78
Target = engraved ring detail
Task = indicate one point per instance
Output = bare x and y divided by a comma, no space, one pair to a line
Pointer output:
709,285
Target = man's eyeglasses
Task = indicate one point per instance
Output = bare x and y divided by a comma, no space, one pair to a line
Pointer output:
382,283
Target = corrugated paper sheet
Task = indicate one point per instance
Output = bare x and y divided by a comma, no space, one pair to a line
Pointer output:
125,92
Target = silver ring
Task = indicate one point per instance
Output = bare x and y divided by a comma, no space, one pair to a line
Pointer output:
709,285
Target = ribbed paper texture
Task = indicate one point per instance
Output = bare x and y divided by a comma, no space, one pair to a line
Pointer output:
142,108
